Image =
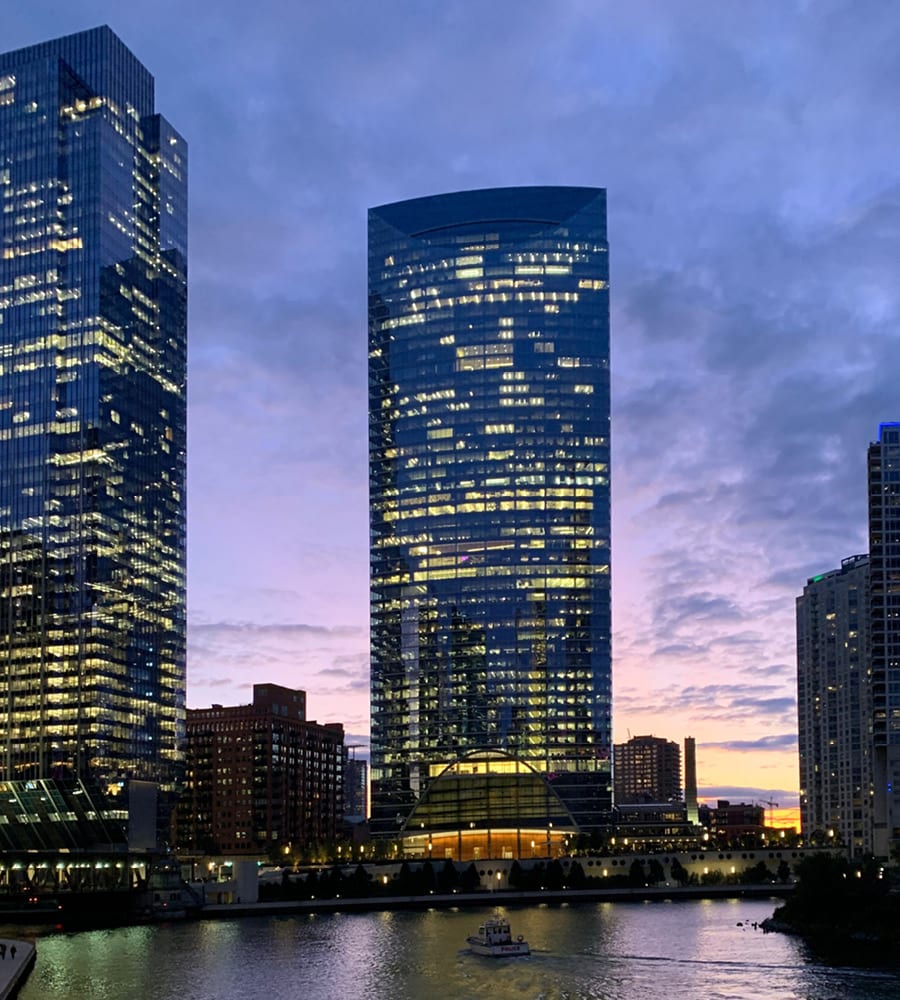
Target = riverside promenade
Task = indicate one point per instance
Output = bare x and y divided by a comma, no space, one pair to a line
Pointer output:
443,901
16,961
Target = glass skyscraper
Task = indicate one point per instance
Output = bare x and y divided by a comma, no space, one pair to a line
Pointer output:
490,516
93,302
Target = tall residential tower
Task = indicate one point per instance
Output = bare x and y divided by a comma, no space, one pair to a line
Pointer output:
646,769
834,706
490,519
884,575
92,417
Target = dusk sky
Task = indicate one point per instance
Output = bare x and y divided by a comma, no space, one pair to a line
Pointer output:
750,153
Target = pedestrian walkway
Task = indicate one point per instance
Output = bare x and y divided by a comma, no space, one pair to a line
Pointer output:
16,960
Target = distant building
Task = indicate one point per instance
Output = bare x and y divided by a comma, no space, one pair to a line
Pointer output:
690,780
640,826
734,820
834,706
646,769
356,790
884,579
261,779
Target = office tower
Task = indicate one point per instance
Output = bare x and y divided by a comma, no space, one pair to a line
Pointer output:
884,576
92,417
834,706
261,779
690,780
646,769
490,530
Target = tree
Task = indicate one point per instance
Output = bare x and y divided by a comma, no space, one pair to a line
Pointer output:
678,872
330,884
758,873
656,873
636,874
427,880
360,883
448,877
554,876
576,878
311,884
470,880
407,884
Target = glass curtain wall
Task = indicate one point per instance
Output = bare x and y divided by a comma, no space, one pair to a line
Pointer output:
93,250
489,489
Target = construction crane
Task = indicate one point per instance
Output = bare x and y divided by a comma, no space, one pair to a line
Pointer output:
771,805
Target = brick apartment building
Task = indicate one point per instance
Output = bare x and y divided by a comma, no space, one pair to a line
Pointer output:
646,769
260,779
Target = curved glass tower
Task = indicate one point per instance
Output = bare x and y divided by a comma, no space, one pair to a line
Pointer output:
489,489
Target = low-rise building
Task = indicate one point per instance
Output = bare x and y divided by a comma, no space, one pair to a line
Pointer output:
734,820
261,779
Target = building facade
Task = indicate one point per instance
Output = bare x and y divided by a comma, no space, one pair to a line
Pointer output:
261,779
356,790
690,780
93,246
490,520
734,821
646,769
884,576
834,706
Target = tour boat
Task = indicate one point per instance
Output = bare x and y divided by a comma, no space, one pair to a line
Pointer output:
494,938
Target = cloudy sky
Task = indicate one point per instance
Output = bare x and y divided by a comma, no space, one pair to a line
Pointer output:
750,151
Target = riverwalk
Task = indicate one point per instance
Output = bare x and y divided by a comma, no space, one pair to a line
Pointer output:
16,960
433,901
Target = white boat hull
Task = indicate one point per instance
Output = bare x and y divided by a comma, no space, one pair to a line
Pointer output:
511,949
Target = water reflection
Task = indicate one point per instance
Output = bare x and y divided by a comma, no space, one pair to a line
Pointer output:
609,951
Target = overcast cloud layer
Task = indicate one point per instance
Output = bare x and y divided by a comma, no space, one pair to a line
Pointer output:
750,153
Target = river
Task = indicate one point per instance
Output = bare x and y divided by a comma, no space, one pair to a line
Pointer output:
603,951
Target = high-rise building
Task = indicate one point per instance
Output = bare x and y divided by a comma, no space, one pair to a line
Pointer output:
690,780
646,769
884,576
92,417
261,779
834,706
490,520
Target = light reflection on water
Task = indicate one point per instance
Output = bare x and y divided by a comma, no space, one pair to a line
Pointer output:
608,951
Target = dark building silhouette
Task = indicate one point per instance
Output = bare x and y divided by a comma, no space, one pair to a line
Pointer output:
490,530
261,779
